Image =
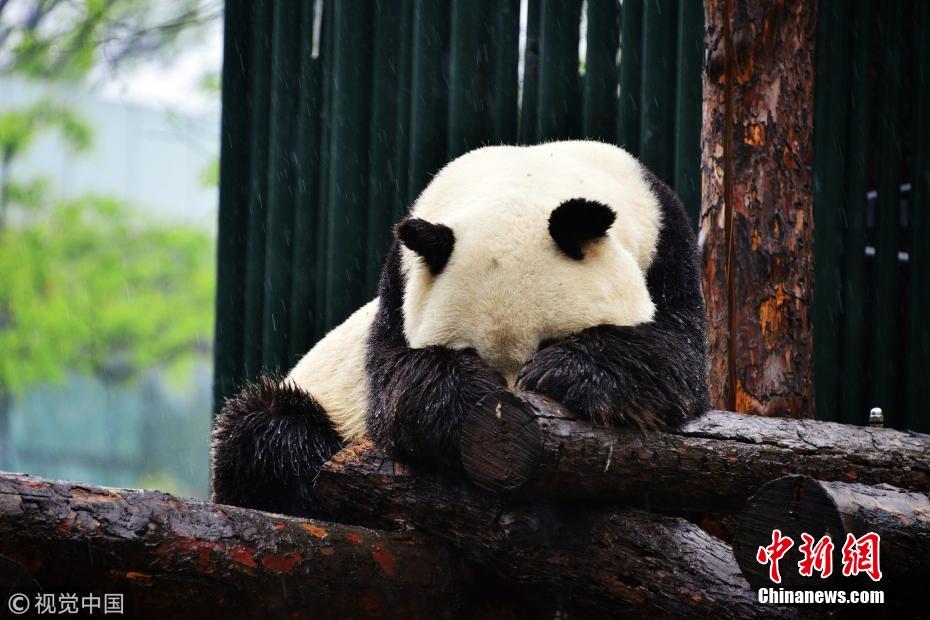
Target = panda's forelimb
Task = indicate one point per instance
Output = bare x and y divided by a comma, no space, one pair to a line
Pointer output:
268,445
650,375
419,399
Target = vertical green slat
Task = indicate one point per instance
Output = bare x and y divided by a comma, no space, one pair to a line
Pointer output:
466,101
658,87
888,153
305,270
559,92
918,333
401,159
529,106
262,20
348,184
851,406
688,102
282,173
600,78
232,236
504,57
830,125
631,74
381,185
327,53
428,99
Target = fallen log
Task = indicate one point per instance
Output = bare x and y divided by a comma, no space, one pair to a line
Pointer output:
796,504
597,561
532,448
173,557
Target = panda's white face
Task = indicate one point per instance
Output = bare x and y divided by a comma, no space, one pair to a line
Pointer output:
507,286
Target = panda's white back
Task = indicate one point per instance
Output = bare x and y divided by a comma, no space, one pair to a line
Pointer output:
333,372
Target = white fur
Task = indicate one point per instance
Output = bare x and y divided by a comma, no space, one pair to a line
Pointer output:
507,286
333,372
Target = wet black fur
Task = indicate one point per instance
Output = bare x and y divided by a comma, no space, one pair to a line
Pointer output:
578,221
269,443
418,398
651,375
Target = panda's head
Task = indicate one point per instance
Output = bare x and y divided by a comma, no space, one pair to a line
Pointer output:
511,246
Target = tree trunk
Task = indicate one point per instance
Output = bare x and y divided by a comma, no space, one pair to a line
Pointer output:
757,195
796,504
597,561
533,448
175,557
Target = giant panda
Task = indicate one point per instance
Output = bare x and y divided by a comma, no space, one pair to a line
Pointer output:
566,269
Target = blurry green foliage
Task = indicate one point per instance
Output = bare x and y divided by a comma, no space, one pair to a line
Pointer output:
65,39
18,130
85,285
115,304
210,174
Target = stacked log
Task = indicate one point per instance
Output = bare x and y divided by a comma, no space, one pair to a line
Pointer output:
529,448
173,557
557,515
600,561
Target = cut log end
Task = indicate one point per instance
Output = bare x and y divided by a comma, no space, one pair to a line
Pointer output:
501,444
797,504
792,506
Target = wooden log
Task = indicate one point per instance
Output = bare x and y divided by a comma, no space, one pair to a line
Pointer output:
756,222
173,557
796,504
530,447
602,562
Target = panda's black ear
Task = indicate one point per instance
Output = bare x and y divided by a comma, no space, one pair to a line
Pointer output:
433,242
577,221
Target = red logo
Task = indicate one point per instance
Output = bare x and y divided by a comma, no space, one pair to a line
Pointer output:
817,557
860,555
773,553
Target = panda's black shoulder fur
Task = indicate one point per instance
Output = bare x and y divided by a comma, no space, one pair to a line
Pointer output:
674,277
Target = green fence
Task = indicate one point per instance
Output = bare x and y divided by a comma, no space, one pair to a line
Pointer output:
872,212
336,114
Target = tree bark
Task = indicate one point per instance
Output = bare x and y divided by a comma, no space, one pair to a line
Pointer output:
602,562
175,557
796,504
756,223
533,448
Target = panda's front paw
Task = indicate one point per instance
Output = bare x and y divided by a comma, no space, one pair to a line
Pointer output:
569,376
